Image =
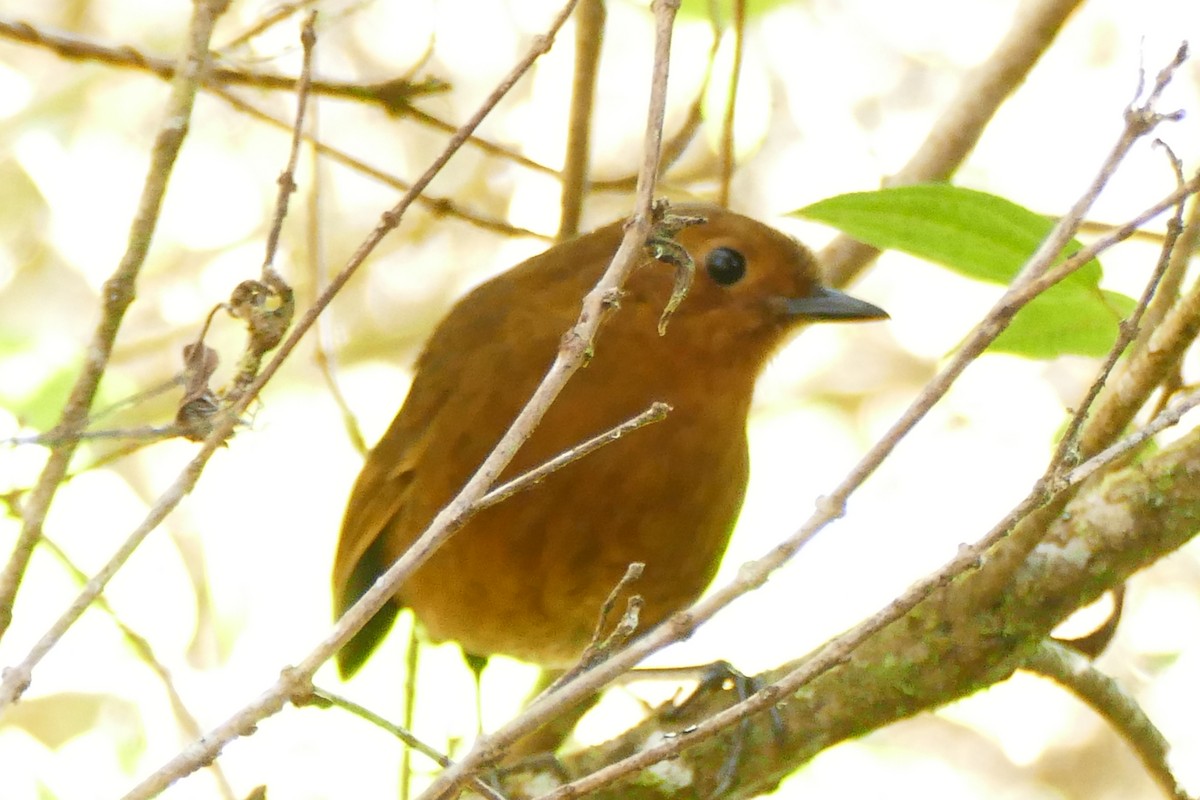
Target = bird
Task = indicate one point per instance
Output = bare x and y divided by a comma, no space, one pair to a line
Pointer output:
527,578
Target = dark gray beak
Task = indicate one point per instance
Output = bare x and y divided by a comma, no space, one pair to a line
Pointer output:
830,305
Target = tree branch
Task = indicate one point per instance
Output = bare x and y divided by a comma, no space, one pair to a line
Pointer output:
118,293
942,649
956,133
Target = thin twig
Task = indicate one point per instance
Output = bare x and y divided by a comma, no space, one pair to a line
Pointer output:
481,144
839,649
1104,696
1172,282
589,34
754,573
435,205
296,681
412,658
674,146
272,17
633,573
1140,120
1157,356
966,116
673,149
316,267
1068,452
727,151
602,644
57,437
145,652
390,94
393,96
1115,452
287,178
118,293
571,355
655,413
403,733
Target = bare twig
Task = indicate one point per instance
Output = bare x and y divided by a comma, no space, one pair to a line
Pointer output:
1155,357
491,148
268,305
316,267
967,114
655,413
141,646
436,205
271,18
402,733
394,96
1105,696
589,34
119,291
1068,453
1166,418
754,573
287,178
56,436
296,681
569,358
727,151
1172,282
605,638
836,651
1140,120
673,147
412,657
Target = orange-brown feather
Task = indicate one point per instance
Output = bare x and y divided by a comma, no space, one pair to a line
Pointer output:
527,577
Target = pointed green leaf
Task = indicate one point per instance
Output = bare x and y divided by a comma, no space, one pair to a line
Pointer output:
987,238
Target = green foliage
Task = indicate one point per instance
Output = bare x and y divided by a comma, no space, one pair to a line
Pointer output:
987,238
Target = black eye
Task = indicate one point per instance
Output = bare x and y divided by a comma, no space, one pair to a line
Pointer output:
725,265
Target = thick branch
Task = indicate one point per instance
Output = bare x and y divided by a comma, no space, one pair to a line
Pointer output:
944,648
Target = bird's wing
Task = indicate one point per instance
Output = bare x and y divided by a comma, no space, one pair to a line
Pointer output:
380,496
400,485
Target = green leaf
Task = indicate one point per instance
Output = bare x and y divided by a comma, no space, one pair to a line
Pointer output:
1065,321
987,238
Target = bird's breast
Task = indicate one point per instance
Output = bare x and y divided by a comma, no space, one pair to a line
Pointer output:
527,578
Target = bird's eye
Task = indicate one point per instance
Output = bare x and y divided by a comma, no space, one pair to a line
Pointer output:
725,265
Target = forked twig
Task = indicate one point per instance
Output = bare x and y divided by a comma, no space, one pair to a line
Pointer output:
118,294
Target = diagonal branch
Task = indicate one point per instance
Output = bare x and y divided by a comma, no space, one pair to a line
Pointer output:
118,293
956,133
930,655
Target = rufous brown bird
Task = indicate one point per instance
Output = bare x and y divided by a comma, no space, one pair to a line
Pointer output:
527,578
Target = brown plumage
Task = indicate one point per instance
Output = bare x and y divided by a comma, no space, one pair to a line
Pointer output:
527,577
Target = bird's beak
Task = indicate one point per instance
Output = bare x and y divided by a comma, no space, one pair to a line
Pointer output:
829,305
